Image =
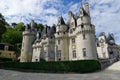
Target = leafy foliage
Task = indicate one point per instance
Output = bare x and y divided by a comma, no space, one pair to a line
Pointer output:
13,36
3,24
20,27
82,66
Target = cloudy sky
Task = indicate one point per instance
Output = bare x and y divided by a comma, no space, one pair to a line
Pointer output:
105,14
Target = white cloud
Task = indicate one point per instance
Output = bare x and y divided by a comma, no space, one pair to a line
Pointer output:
105,16
104,13
20,10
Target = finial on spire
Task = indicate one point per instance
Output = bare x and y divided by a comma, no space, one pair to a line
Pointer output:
81,3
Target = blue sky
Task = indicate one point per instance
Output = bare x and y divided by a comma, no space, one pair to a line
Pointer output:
105,14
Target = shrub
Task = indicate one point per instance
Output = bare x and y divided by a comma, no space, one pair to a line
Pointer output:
4,59
81,66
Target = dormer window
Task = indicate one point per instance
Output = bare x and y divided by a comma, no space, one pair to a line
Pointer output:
81,18
81,12
73,40
72,24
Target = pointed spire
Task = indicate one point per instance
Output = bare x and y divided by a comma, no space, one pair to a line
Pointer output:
61,21
81,3
32,24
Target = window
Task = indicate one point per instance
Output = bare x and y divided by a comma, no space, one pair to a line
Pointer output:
84,52
84,37
59,55
58,41
82,26
36,60
6,48
73,40
81,12
45,54
72,24
52,55
74,54
81,18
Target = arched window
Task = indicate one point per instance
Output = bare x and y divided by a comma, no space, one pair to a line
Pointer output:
74,54
84,36
84,52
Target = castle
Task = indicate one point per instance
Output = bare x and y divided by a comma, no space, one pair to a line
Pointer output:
74,40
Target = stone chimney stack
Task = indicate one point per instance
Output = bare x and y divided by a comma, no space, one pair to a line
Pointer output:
86,7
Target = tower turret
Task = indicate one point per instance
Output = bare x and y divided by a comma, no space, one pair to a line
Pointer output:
85,35
84,15
86,6
61,26
61,41
28,38
71,20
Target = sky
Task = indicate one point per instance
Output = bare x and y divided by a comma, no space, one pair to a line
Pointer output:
105,14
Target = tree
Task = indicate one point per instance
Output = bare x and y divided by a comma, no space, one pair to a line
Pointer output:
13,37
20,27
39,26
3,24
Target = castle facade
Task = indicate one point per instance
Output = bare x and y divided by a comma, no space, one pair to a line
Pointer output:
74,40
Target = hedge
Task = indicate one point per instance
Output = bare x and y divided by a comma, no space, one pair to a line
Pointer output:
2,58
81,66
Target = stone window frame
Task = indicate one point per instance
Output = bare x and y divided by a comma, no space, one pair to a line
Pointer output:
74,53
84,36
59,55
73,40
58,41
84,52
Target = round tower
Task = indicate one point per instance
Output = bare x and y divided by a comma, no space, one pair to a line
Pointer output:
61,41
28,39
85,36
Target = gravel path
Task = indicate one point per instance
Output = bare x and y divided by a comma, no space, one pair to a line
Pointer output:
112,73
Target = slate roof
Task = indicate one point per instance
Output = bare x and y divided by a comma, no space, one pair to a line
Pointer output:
61,21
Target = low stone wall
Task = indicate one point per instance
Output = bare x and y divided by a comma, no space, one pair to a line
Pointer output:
106,62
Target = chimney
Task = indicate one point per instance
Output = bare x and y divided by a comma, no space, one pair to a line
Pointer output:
86,7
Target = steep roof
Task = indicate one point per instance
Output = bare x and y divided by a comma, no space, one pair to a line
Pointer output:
84,12
61,21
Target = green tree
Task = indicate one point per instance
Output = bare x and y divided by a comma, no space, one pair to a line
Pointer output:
3,24
20,27
13,37
39,26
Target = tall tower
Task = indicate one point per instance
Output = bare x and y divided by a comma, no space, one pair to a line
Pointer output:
85,35
61,41
28,38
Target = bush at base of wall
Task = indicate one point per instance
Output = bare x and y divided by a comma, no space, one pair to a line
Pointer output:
3,59
81,66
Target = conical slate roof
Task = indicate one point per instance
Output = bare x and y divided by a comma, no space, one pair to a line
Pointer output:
84,12
51,31
61,21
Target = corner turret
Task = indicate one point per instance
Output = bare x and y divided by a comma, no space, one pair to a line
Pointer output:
61,26
29,36
84,15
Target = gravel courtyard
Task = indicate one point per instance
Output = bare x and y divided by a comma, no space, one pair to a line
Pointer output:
111,73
